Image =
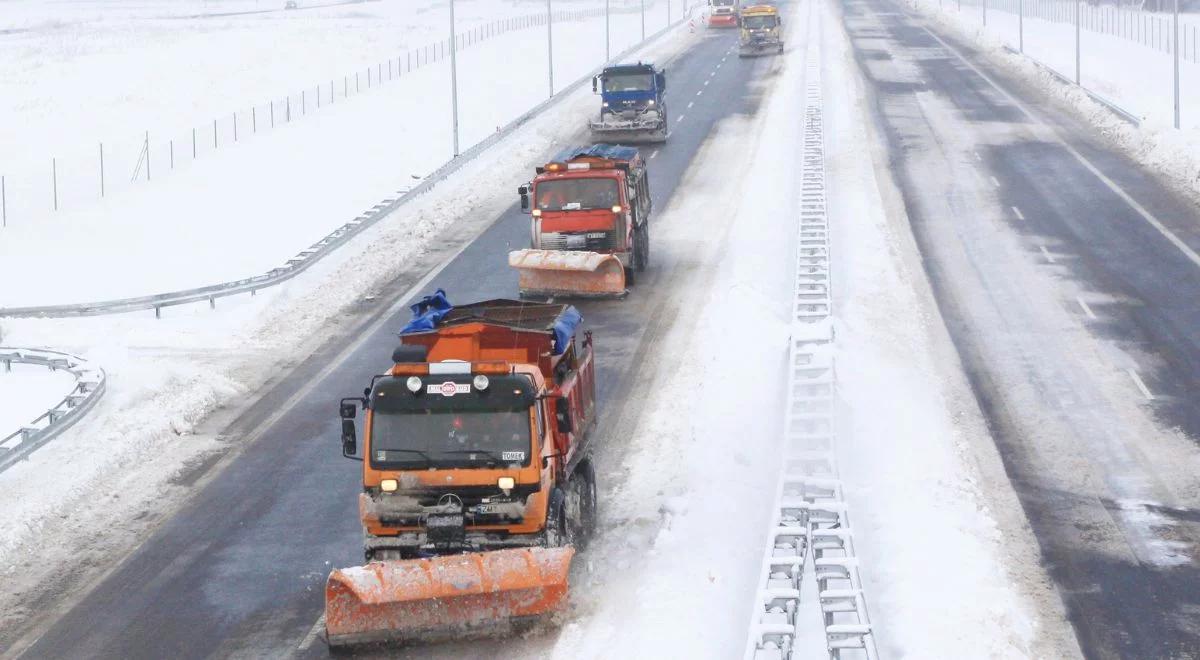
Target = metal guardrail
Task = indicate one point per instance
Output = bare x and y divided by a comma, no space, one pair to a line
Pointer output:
810,532
314,253
1117,110
90,382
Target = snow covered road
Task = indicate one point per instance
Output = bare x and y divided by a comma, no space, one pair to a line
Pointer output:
1067,277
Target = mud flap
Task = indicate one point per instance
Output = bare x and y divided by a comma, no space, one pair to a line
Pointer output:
422,598
565,273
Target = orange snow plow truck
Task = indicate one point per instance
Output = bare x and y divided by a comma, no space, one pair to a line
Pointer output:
477,485
590,224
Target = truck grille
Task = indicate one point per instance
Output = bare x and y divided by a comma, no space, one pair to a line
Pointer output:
592,241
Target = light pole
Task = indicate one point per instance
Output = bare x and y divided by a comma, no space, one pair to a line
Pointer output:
643,20
1175,48
1077,41
550,42
1021,24
607,42
453,79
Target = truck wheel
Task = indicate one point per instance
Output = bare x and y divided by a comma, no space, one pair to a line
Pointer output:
641,247
557,530
586,474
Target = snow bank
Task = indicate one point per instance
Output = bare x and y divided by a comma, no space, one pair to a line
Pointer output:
28,391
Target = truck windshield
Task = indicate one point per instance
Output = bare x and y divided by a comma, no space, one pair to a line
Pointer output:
577,194
448,438
629,82
758,22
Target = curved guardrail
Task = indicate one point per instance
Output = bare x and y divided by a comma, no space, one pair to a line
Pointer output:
315,252
90,383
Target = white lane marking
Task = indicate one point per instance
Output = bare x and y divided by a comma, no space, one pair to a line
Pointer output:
723,59
1086,309
712,74
1087,164
706,83
699,92
1020,216
654,154
679,118
1046,253
312,634
719,64
691,103
1137,380
977,156
995,182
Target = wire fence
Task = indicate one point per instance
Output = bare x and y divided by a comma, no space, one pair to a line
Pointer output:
1140,63
88,175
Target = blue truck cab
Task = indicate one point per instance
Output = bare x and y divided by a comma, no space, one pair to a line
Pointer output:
632,106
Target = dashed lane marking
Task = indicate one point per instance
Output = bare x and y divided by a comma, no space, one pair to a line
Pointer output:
1046,253
679,118
312,634
699,92
1137,380
654,154
706,83
994,181
1017,211
1086,309
691,103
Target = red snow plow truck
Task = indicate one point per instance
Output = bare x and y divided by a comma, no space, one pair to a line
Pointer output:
722,13
477,486
590,224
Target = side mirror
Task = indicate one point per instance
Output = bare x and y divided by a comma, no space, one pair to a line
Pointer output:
523,191
661,79
595,81
562,414
349,439
347,410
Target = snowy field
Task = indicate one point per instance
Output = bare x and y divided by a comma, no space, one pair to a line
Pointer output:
28,391
245,208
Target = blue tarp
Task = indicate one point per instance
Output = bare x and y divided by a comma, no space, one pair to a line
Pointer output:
609,151
428,312
564,328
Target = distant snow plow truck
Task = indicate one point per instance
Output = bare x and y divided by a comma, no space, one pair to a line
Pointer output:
722,13
632,106
762,31
477,485
590,224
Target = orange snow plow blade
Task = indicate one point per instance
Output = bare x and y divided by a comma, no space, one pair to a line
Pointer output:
568,273
417,598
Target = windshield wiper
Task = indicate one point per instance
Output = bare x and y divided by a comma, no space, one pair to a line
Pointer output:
427,457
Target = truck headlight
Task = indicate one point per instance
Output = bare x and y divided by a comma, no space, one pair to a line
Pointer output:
650,103
480,382
389,485
413,384
506,484
604,105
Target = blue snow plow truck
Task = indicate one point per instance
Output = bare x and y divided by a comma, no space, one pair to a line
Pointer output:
633,108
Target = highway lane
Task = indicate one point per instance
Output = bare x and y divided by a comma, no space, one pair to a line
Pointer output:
1068,279
239,570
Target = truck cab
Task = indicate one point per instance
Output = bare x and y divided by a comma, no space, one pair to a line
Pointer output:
722,13
632,103
761,30
594,199
470,437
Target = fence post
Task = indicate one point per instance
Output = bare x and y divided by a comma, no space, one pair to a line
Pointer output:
272,113
644,19
453,82
288,109
147,155
171,150
54,180
214,135
235,127
303,103
254,119
193,144
102,169
3,202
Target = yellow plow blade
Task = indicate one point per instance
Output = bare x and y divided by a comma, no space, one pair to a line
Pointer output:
568,273
416,598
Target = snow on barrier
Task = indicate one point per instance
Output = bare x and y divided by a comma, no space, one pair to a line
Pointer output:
329,243
89,387
810,518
